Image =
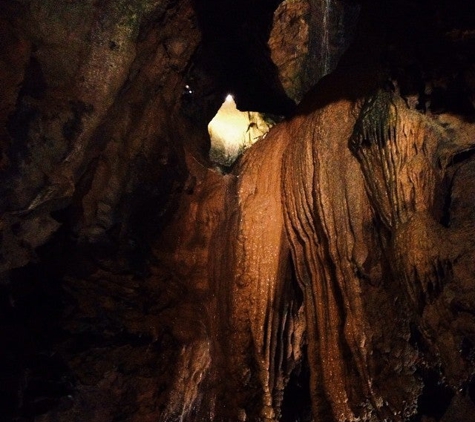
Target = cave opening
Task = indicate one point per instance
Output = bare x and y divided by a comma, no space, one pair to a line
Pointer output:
232,131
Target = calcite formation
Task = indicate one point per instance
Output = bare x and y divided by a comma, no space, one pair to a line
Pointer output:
326,275
355,185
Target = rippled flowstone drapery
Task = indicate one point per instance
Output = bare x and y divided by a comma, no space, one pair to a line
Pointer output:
359,185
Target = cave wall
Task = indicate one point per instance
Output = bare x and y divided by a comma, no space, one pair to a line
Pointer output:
308,39
355,259
93,162
328,276
80,126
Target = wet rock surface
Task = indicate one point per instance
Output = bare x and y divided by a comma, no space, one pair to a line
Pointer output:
328,276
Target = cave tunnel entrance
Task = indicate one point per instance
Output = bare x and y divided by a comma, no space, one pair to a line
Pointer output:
232,131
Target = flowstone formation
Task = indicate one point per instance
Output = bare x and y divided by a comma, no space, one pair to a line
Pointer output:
327,276
377,257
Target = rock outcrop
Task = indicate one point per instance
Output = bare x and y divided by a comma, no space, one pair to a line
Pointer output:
327,277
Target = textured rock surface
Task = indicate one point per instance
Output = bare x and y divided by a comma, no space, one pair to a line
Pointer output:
308,38
264,310
328,277
67,112
88,139
359,180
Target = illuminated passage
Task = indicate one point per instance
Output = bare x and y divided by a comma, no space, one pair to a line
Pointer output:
232,131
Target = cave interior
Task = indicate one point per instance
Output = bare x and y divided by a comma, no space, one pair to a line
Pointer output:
325,273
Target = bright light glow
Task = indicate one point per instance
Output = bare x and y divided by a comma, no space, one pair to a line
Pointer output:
232,131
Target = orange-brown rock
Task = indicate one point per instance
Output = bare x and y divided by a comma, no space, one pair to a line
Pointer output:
327,276
354,181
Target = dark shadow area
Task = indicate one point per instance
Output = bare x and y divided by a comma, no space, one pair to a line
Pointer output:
435,398
424,50
296,405
236,54
33,376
